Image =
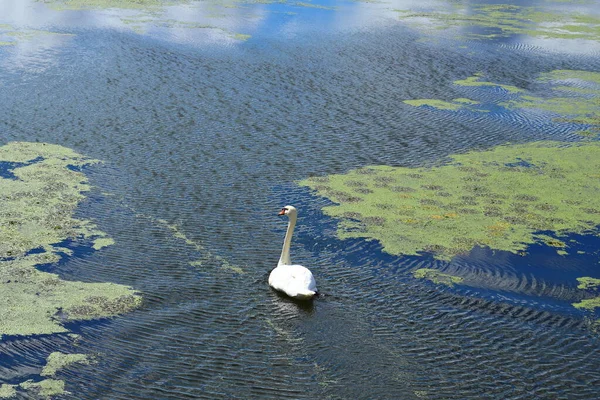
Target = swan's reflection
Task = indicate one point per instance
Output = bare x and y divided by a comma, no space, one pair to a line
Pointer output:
289,308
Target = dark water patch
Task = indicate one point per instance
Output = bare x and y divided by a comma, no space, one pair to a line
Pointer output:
7,167
67,249
520,163
22,358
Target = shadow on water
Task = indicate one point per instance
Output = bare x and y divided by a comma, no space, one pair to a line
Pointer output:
307,307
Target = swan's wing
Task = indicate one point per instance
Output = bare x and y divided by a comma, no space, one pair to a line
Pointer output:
292,279
301,278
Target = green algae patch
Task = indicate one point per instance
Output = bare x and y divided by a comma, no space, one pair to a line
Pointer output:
550,241
57,361
103,4
463,100
501,198
439,104
477,82
310,5
454,105
48,387
45,388
485,21
103,242
588,283
241,36
574,98
207,257
38,200
39,192
10,36
567,74
141,14
437,277
35,302
570,97
7,391
588,304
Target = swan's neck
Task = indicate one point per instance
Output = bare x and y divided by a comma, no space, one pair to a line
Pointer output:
285,252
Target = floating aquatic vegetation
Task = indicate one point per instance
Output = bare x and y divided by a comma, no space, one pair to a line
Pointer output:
57,361
128,4
36,302
241,36
590,284
504,208
310,5
588,304
502,20
436,276
10,36
574,98
454,105
207,257
45,388
142,14
7,391
36,212
477,82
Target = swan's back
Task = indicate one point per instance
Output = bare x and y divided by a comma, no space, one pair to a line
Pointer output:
294,280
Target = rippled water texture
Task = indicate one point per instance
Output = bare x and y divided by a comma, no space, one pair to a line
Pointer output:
207,115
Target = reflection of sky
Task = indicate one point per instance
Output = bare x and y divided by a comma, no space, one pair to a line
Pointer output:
32,52
230,22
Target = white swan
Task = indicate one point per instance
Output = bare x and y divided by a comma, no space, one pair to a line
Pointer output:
294,280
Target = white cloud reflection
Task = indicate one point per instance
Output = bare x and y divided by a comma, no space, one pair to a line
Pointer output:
230,22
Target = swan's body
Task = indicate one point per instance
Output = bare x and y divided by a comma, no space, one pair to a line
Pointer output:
294,280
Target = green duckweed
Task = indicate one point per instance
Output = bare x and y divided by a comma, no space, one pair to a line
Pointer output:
57,361
127,4
505,20
7,391
501,198
45,388
588,304
574,97
588,283
207,256
476,81
436,276
38,195
144,13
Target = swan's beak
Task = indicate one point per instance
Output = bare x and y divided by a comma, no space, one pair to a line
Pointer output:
282,212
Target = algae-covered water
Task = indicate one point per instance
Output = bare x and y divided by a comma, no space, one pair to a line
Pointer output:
444,158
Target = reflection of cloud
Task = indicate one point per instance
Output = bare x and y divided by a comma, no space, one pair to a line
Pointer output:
203,23
233,21
569,46
549,26
30,49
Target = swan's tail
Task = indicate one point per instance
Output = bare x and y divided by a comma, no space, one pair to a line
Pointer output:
305,295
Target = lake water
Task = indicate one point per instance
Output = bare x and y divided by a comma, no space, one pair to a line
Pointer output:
206,115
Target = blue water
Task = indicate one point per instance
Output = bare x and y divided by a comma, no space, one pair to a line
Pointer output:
211,133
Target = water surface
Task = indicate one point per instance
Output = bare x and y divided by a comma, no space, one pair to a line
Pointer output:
206,115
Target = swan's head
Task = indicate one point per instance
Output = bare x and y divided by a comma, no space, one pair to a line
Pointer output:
288,210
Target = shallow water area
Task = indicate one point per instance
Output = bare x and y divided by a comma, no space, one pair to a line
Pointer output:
206,117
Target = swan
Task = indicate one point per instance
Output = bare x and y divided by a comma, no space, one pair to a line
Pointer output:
294,280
